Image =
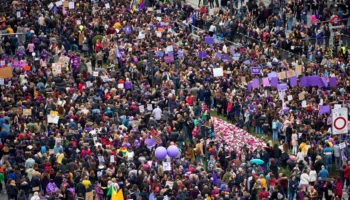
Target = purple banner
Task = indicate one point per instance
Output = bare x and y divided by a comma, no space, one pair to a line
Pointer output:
325,109
332,81
202,54
282,86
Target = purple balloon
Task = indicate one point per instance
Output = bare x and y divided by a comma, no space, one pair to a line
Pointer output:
160,153
173,151
150,142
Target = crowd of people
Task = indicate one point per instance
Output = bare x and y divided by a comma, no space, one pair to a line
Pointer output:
122,100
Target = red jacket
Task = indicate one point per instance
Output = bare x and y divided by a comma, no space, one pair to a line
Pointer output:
347,172
339,188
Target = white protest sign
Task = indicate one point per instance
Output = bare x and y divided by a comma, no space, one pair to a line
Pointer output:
52,119
340,120
166,166
71,5
218,72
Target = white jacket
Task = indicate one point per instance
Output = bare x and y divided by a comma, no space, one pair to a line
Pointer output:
304,179
313,176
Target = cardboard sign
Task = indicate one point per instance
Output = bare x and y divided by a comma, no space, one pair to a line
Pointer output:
89,196
56,69
299,70
282,75
342,145
27,112
17,110
290,73
6,72
301,96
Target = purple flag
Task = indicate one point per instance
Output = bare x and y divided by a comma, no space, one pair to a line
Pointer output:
159,54
255,83
169,59
171,53
271,75
255,70
202,54
117,53
209,40
293,81
325,109
282,86
215,179
142,5
274,82
218,55
332,81
249,87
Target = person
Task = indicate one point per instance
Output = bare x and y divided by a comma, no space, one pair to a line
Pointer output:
328,151
35,196
323,174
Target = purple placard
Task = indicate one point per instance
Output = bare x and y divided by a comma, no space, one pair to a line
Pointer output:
202,54
332,81
180,54
224,58
293,81
325,109
255,70
271,75
282,86
159,53
169,59
209,40
274,82
170,53
218,55
255,83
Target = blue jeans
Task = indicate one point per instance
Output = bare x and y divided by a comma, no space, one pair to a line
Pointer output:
328,162
257,129
291,195
247,125
274,135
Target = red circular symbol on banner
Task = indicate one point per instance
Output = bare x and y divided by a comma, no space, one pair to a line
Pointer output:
335,123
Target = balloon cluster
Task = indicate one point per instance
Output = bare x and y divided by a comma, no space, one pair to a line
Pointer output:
172,151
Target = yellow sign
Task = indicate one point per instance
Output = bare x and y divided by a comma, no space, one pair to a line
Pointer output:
27,112
53,113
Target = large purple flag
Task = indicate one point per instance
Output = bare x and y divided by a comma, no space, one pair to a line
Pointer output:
303,81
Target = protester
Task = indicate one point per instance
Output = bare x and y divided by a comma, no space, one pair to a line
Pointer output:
115,100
